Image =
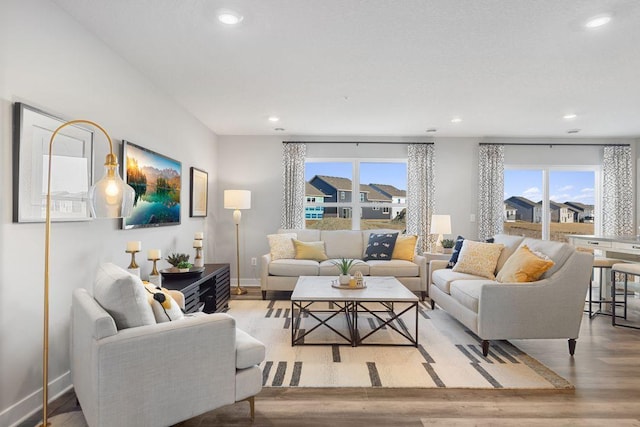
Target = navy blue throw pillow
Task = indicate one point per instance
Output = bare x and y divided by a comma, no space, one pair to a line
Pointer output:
380,246
456,252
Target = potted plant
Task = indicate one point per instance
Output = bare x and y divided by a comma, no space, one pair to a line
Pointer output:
175,259
447,245
184,266
344,265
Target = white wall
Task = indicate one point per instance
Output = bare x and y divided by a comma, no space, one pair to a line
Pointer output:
47,60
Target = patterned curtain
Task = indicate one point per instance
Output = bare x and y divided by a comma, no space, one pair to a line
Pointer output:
617,191
293,154
420,195
490,191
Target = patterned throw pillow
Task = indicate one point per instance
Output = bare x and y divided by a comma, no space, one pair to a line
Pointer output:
310,250
165,308
524,266
380,246
281,245
478,258
405,247
456,252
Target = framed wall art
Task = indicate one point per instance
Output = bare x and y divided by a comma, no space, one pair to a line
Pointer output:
199,189
156,180
71,170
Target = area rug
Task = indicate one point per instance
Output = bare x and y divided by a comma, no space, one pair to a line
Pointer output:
448,354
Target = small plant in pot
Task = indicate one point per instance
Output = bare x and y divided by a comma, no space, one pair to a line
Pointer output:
176,259
344,265
447,245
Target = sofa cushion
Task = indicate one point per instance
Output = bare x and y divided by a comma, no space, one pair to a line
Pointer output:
394,267
467,292
281,245
310,250
342,243
249,351
405,247
524,266
557,252
443,278
304,234
164,307
328,268
510,243
380,246
293,267
123,296
478,258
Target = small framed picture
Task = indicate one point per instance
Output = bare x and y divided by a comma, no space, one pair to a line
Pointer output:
199,188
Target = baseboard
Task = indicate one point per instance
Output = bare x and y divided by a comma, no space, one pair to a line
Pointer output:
30,405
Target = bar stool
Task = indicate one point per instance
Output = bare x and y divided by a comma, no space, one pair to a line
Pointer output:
602,264
625,269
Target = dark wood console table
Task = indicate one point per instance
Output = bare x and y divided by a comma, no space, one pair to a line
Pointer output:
208,292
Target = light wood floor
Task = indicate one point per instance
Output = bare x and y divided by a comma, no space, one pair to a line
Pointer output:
605,371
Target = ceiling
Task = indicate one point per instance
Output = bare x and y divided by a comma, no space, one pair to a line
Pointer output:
507,68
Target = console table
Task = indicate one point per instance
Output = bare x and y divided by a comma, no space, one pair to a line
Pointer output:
620,247
208,292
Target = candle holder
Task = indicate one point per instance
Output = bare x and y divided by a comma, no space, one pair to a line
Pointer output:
133,267
155,277
198,260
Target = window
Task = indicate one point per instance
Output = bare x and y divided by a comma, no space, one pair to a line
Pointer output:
381,186
551,202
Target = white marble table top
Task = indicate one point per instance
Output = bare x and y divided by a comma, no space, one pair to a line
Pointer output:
382,289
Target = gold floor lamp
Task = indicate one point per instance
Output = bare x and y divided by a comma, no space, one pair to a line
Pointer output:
110,197
237,199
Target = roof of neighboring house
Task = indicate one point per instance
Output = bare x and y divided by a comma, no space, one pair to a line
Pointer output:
510,205
343,184
389,190
553,205
578,205
520,201
373,194
310,190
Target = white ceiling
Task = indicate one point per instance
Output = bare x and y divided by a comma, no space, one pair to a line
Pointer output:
508,68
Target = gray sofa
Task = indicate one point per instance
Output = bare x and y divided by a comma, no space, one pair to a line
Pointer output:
282,274
551,307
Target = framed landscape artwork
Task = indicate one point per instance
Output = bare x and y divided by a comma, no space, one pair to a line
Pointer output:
71,167
156,180
199,188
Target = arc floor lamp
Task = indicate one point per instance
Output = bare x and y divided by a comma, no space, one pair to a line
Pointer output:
236,200
110,197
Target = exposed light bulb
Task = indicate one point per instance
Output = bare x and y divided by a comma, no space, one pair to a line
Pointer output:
274,119
569,116
230,18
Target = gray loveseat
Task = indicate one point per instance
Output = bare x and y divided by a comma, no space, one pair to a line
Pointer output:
551,307
282,274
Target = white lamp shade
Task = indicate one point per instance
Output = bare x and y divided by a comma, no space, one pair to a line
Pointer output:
440,224
237,199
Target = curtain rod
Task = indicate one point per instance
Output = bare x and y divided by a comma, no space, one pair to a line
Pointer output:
355,142
560,144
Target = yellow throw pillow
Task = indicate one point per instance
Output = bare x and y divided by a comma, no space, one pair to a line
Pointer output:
405,247
310,250
478,258
523,266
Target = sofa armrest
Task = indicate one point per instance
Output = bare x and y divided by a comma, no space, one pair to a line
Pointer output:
264,270
424,271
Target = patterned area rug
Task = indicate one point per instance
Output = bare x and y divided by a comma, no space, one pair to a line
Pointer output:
448,355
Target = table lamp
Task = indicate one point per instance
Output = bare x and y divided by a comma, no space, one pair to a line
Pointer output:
110,197
440,224
237,199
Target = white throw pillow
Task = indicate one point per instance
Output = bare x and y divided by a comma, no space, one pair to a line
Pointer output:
165,308
123,296
281,245
478,258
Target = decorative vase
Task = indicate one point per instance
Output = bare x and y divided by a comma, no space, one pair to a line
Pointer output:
183,270
344,279
447,250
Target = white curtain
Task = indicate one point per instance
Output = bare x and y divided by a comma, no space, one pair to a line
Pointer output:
490,190
420,194
293,155
617,191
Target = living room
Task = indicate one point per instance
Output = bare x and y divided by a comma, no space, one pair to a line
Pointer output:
52,60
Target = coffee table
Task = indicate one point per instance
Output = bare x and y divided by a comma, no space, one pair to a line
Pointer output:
378,298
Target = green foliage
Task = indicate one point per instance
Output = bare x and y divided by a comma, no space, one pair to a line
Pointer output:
176,259
344,265
448,243
184,264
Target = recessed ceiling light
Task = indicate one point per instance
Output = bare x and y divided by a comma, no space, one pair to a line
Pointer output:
598,21
274,119
569,116
229,17
456,120
573,131
432,130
